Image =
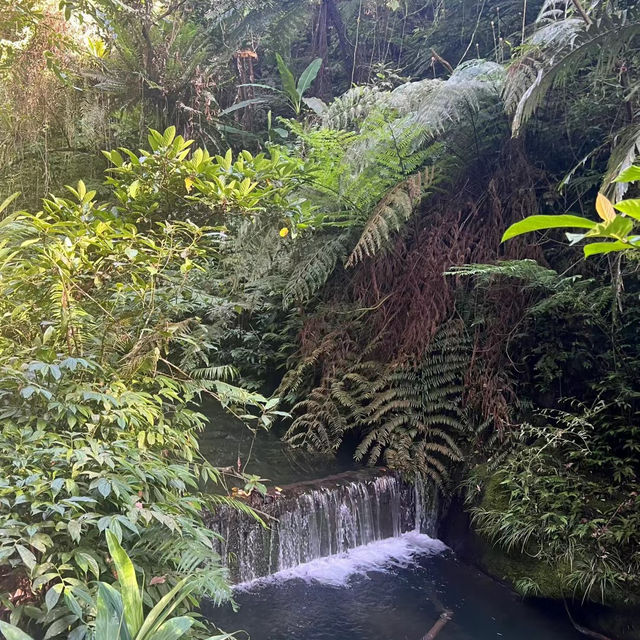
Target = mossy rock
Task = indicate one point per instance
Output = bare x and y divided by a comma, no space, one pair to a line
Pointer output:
519,569
516,568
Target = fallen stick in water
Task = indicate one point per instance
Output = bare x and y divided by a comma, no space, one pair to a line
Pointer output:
583,630
445,616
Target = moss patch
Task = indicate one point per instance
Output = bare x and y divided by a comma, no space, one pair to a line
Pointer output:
511,566
515,568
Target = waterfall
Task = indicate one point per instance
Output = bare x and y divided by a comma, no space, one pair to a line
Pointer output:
322,518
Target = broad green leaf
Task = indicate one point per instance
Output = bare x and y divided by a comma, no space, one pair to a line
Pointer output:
104,487
595,248
316,105
7,201
13,633
79,633
27,556
59,626
133,188
165,607
53,595
75,528
616,229
631,174
131,598
156,139
288,81
110,618
308,76
241,105
72,603
116,158
539,223
257,85
629,207
87,563
169,135
172,629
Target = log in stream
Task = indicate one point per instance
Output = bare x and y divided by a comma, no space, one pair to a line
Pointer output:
445,616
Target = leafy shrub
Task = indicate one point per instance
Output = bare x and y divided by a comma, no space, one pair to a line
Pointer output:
101,356
119,613
570,497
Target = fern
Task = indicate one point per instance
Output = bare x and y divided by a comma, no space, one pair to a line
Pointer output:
416,417
418,124
529,271
409,416
320,425
390,214
312,270
351,108
560,47
626,148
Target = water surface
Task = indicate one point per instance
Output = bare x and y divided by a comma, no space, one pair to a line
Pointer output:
228,442
394,589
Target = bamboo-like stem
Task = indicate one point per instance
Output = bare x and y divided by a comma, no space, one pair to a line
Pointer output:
578,5
445,616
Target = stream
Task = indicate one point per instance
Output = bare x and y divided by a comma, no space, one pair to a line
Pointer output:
389,590
351,554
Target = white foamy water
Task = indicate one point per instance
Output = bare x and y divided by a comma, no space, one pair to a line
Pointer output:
336,570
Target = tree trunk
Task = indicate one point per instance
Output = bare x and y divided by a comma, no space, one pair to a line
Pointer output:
345,45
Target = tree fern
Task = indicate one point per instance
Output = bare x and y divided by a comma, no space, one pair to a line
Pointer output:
560,47
428,123
450,101
626,148
351,108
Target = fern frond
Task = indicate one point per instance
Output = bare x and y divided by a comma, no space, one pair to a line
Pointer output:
626,148
410,415
224,372
351,108
530,272
390,214
561,47
312,271
465,91
321,425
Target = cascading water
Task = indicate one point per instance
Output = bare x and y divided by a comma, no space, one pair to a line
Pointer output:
317,519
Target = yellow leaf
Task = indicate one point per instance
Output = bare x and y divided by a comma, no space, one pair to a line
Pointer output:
188,183
605,208
284,232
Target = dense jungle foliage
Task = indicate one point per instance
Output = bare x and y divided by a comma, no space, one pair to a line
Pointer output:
343,219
